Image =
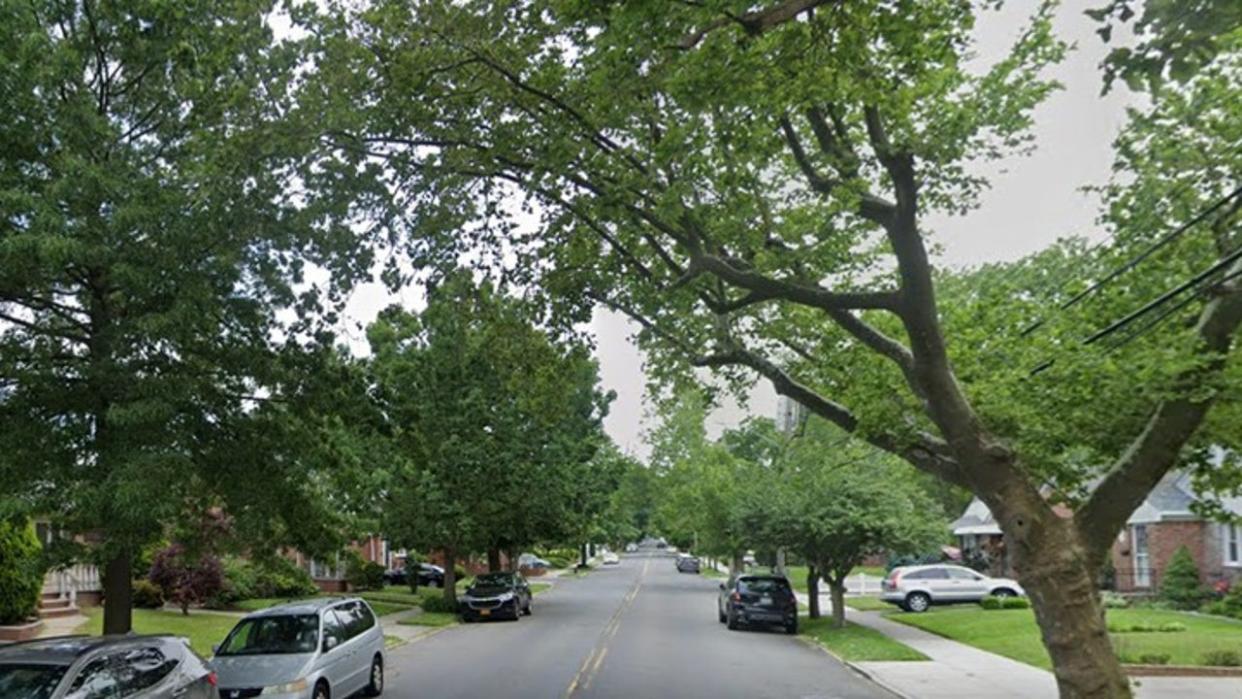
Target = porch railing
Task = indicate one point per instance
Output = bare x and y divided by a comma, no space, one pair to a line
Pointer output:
68,581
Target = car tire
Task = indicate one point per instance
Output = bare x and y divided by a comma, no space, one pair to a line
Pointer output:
322,691
1003,592
527,611
376,686
731,621
917,602
720,614
792,629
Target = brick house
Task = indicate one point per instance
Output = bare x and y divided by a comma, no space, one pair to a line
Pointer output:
1154,532
1164,523
330,575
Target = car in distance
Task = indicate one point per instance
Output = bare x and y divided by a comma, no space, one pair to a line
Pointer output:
610,558
688,564
530,560
631,547
758,600
141,667
311,649
915,588
495,596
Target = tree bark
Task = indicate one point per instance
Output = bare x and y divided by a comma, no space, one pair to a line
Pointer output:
837,588
513,560
450,575
582,563
493,560
780,561
118,594
736,565
812,591
1055,568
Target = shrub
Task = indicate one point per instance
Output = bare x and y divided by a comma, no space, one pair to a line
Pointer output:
437,603
993,603
1222,657
1112,600
1154,658
1230,605
275,577
1143,627
364,575
147,595
184,578
1181,588
21,571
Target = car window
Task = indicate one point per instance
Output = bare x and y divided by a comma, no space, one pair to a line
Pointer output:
333,627
30,681
122,674
284,633
963,574
354,617
927,574
762,585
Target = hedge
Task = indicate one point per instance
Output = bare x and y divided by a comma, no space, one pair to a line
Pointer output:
21,571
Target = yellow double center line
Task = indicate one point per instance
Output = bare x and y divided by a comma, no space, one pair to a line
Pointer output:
590,666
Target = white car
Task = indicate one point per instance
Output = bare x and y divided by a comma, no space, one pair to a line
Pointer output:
611,559
312,649
915,588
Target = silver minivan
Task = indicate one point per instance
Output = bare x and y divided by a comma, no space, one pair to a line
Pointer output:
310,649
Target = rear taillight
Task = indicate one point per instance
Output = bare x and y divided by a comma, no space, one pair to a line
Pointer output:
211,679
736,597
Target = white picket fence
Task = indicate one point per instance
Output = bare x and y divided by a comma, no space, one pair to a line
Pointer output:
67,582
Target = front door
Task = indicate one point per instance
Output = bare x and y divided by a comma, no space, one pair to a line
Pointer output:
1142,560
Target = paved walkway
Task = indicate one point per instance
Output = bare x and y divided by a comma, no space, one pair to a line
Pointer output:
958,671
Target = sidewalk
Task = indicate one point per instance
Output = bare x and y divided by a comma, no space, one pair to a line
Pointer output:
958,671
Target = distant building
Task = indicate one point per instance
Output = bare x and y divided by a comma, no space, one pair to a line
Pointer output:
789,414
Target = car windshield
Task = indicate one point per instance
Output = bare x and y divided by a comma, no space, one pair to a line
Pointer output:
762,585
30,681
494,580
273,635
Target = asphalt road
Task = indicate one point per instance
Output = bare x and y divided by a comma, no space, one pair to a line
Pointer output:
639,629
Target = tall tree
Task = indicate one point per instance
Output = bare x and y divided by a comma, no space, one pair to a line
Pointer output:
157,212
750,183
493,425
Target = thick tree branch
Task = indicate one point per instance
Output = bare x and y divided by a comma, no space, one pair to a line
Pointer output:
1171,425
804,294
753,23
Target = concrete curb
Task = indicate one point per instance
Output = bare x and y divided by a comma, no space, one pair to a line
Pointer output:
857,670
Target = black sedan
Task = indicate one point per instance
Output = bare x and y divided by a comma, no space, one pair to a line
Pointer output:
688,564
758,600
495,596
428,576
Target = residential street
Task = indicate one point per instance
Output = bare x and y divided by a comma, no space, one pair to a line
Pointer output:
639,629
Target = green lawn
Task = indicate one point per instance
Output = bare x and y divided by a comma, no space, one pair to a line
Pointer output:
1012,633
430,619
868,604
854,642
382,602
713,573
536,588
203,629
797,576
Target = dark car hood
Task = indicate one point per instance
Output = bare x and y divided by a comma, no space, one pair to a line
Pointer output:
488,591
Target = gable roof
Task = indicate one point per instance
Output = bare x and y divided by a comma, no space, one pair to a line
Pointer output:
977,519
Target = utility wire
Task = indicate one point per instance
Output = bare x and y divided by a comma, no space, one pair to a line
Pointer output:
1198,293
1138,259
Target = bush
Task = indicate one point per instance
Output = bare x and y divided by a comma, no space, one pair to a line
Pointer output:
1181,588
1222,657
1112,600
1142,627
269,578
184,578
1230,605
21,571
365,575
993,603
1154,659
437,603
147,595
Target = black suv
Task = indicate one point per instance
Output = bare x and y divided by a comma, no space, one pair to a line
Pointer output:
749,600
495,595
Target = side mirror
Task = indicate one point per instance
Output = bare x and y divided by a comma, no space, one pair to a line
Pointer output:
722,587
215,649
329,643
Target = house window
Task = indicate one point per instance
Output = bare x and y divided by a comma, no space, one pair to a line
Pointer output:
1232,534
1142,561
323,571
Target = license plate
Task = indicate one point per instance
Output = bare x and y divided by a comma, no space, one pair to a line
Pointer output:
485,612
765,600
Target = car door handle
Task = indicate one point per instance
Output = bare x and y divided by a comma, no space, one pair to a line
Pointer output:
181,691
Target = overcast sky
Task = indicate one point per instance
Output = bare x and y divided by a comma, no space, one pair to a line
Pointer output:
1032,202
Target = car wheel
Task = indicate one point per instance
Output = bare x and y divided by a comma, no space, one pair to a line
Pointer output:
731,620
917,602
720,614
1004,592
792,628
376,686
527,610
321,690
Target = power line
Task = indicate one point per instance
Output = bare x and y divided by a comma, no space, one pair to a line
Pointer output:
1143,329
1138,259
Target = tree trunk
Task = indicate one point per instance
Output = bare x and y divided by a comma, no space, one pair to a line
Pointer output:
583,551
1057,573
812,591
513,560
118,594
780,562
493,560
837,588
736,565
450,576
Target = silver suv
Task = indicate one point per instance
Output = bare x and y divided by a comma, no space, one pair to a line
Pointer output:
312,649
915,588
